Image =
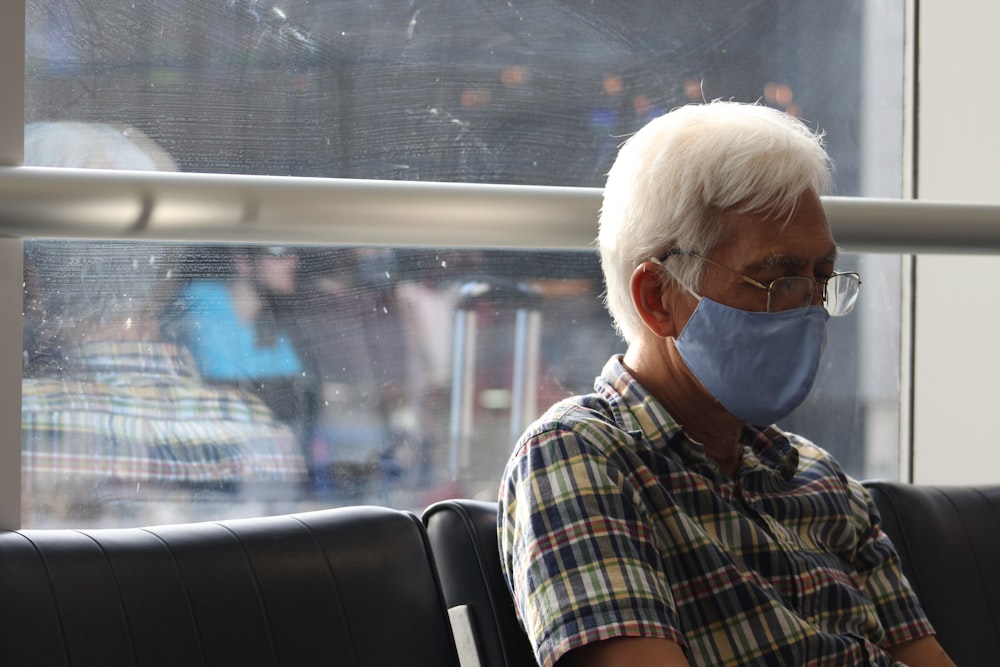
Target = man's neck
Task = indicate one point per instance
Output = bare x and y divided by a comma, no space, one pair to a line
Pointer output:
658,367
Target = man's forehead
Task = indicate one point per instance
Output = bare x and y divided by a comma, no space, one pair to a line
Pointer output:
766,244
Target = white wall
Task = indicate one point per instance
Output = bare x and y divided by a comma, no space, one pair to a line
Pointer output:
957,317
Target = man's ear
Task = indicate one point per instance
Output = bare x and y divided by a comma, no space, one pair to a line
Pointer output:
653,298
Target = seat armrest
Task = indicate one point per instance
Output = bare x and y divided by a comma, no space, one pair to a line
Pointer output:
463,539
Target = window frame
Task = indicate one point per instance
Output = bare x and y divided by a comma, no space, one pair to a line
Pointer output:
11,253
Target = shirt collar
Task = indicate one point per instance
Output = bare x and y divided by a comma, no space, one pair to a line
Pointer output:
636,410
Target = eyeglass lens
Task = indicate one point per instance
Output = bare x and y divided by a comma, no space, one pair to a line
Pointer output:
789,293
793,292
841,293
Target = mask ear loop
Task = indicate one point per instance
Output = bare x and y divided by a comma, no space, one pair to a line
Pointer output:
659,262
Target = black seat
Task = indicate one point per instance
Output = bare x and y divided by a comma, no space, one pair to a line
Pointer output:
352,586
948,539
463,538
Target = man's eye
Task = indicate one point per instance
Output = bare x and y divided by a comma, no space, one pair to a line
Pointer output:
790,273
769,275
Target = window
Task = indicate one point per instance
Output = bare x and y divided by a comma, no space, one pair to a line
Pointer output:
375,394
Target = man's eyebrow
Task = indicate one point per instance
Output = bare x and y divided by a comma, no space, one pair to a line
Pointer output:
782,260
793,261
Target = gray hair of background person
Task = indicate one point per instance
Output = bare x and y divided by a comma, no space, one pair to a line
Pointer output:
93,290
85,286
678,176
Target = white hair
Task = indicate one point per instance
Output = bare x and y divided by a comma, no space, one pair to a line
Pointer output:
98,281
676,178
92,146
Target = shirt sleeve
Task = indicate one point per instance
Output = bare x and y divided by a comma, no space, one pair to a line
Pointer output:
575,547
879,572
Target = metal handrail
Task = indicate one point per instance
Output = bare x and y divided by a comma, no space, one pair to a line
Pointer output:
79,203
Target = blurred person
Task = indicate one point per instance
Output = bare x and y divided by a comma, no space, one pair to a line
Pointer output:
237,325
74,144
115,411
665,519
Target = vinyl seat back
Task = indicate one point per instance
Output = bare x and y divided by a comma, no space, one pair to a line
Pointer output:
948,539
350,586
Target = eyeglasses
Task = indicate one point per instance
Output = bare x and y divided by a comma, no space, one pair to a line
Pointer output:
840,290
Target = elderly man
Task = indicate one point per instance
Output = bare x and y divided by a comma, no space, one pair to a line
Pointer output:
663,519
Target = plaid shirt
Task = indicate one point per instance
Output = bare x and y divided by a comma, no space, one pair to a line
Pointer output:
614,523
139,412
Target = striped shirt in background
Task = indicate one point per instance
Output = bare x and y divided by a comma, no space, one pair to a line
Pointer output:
613,523
136,413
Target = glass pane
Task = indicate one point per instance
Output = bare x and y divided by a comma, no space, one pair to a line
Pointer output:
395,375
174,382
170,382
538,92
853,411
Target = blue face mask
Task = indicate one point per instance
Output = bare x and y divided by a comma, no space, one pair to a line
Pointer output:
759,366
